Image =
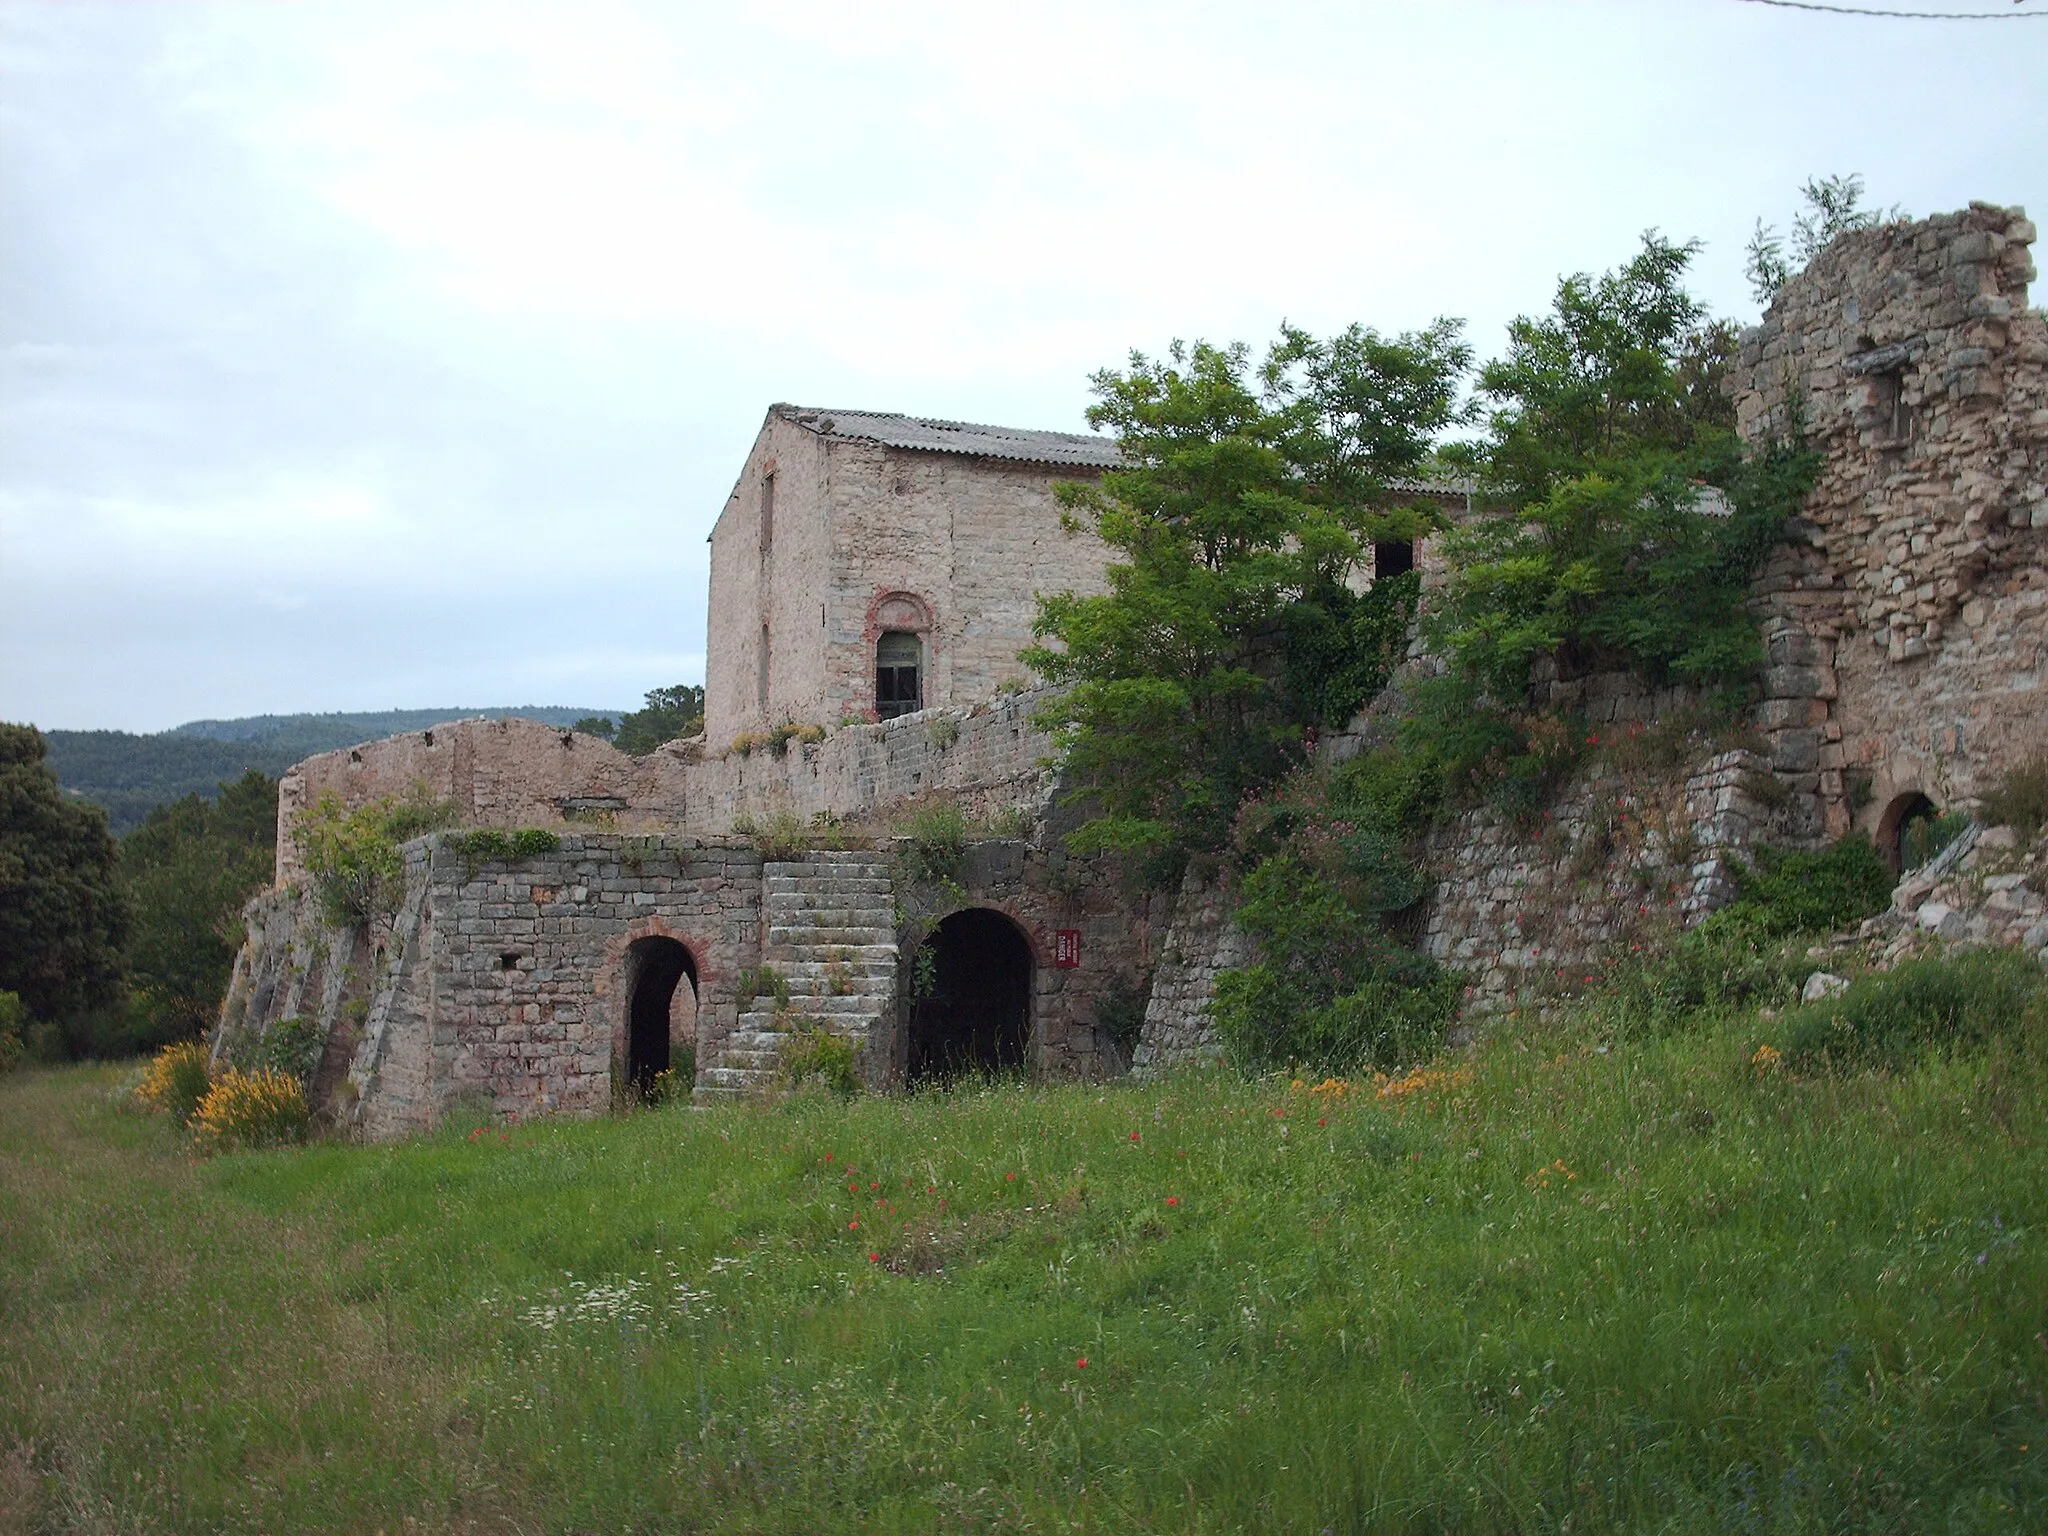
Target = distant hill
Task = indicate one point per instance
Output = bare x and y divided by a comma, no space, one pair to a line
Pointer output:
130,774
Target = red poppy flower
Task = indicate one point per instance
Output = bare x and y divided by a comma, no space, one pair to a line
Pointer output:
853,1226
1173,1199
1081,1364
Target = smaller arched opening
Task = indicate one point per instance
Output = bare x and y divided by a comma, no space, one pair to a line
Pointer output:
971,1010
661,1011
1905,833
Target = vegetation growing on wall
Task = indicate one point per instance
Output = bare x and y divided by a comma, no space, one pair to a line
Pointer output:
1620,523
353,855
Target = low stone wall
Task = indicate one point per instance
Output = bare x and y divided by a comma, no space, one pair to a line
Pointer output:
988,757
521,773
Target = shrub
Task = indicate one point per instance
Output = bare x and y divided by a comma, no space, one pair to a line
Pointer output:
937,846
784,835
489,843
1787,892
263,1108
675,1085
352,855
1120,1013
821,1057
13,1017
1720,964
1926,836
942,732
2021,801
1890,1018
293,1046
763,981
1331,992
176,1080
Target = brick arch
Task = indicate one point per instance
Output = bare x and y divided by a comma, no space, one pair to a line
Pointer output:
619,1006
897,608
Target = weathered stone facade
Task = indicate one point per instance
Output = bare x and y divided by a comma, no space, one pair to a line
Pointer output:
846,525
1907,617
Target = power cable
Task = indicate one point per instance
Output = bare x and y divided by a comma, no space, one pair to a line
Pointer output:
1858,10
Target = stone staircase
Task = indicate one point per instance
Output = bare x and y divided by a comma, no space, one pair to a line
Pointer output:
831,921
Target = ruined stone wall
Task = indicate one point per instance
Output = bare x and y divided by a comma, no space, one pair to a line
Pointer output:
988,757
497,773
501,986
1908,613
1202,943
520,773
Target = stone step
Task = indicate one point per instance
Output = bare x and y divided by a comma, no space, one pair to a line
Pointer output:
792,935
832,917
870,986
844,885
812,959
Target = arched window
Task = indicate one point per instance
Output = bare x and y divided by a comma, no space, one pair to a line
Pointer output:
899,674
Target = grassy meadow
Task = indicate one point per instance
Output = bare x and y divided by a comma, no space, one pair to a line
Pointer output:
1574,1281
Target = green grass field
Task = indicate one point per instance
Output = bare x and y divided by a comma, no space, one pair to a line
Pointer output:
1579,1283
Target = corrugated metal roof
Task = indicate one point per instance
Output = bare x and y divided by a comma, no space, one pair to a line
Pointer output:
893,429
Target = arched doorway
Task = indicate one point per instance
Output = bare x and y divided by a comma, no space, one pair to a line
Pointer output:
660,1010
1902,832
971,1008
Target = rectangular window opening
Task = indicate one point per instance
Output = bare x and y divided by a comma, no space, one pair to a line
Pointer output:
1395,557
767,512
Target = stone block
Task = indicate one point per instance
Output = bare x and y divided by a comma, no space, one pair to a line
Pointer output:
1795,751
1799,682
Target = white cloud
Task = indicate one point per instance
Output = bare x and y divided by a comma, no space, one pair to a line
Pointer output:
439,330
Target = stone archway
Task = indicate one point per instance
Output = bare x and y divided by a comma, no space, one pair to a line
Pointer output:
970,1013
661,1011
1895,828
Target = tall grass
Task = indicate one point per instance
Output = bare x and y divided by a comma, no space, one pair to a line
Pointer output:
1581,1281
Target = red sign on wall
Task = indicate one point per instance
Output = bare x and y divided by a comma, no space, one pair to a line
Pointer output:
1066,948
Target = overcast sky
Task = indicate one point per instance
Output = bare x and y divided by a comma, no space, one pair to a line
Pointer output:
361,356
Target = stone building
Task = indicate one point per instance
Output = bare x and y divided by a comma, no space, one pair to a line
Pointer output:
875,575
869,564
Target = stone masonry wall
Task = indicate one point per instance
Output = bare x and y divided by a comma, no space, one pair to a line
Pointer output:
970,541
774,582
1202,943
1907,615
520,773
503,986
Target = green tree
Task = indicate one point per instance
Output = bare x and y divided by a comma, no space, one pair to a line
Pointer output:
667,714
62,916
189,869
1610,459
1246,502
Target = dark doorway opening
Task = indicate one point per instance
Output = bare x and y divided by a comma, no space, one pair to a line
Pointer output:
899,667
972,1010
1395,557
654,969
